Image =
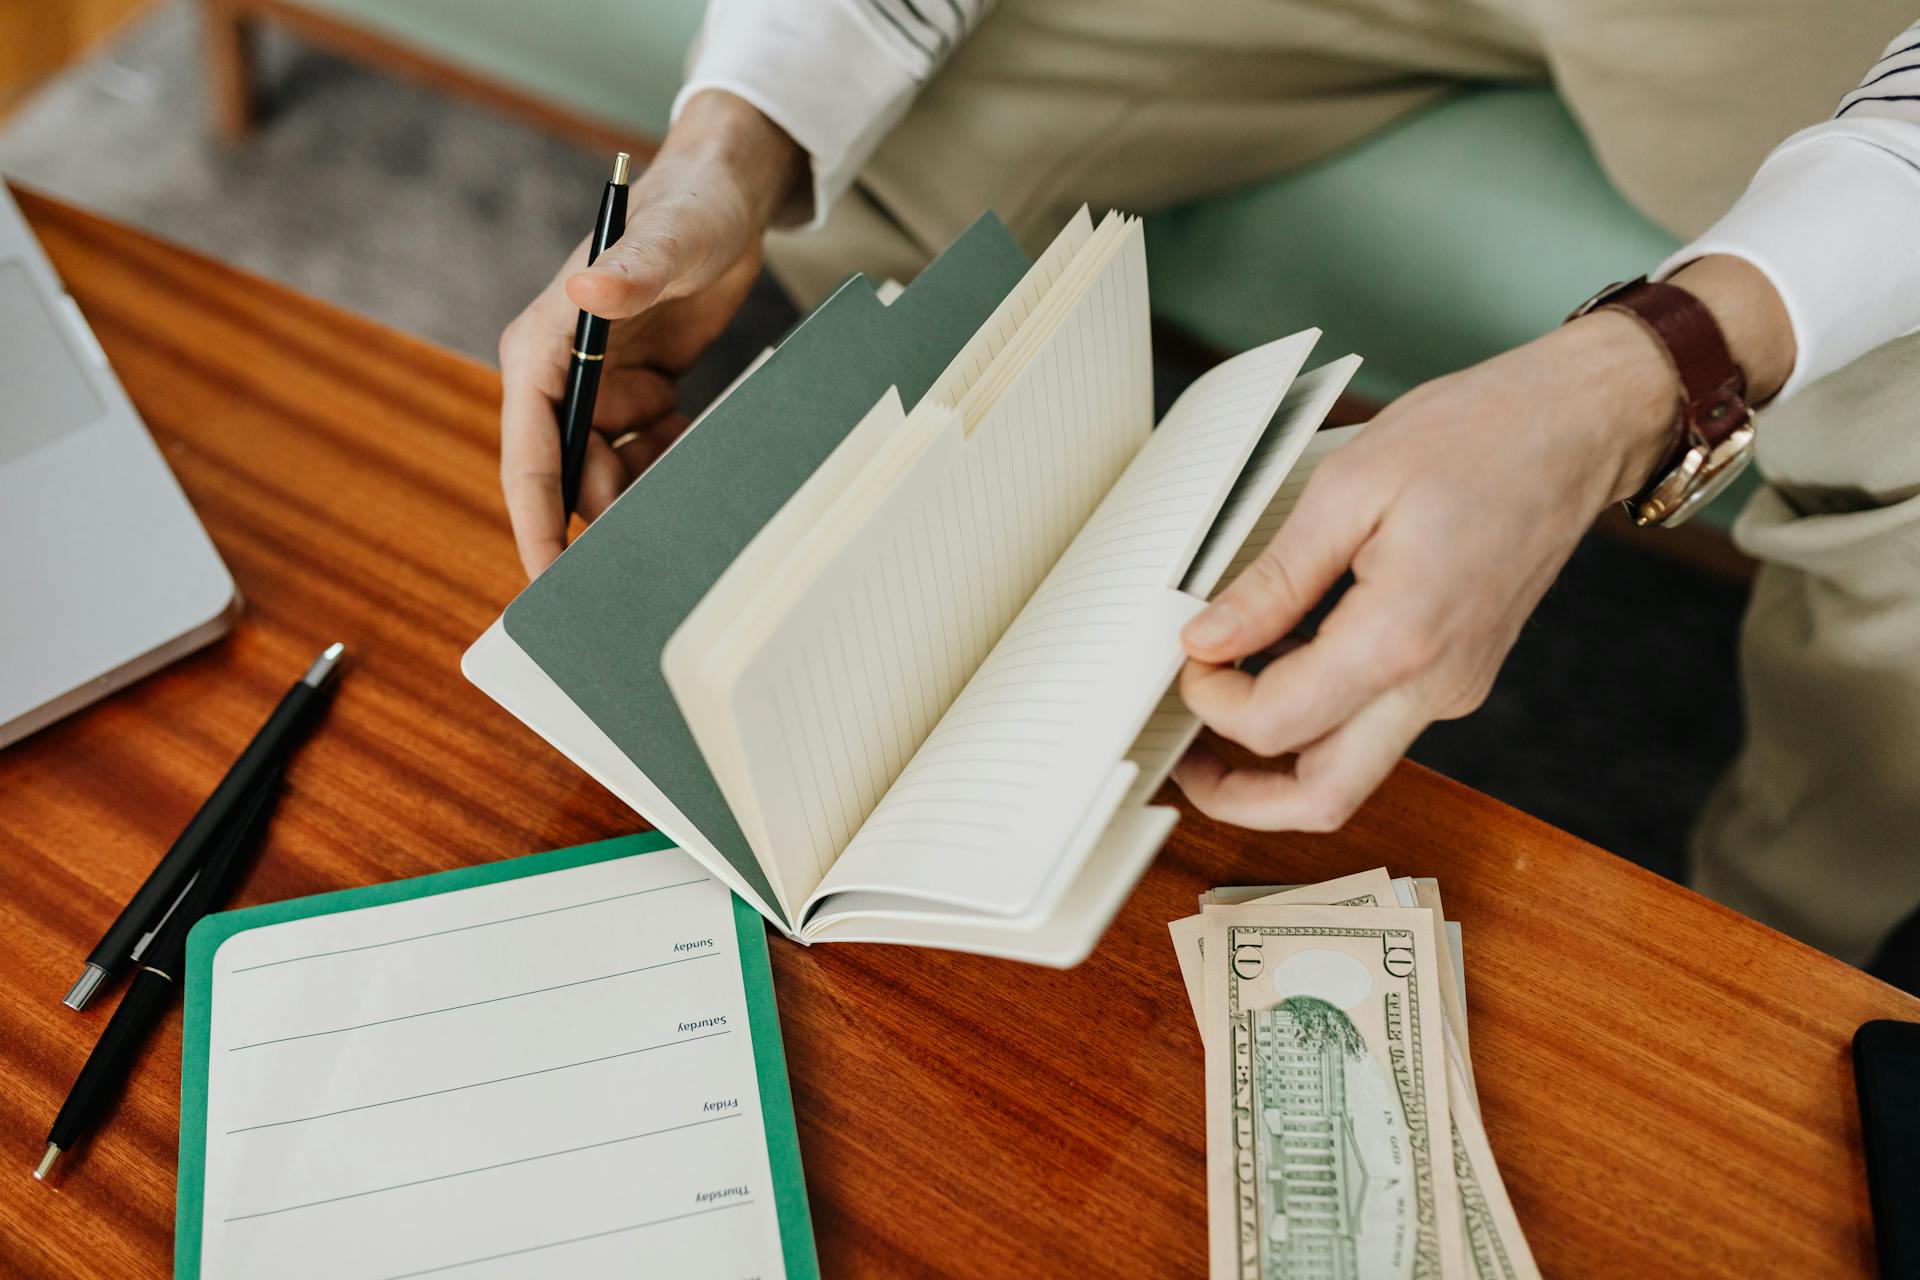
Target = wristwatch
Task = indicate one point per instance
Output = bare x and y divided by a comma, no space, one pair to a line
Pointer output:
1713,425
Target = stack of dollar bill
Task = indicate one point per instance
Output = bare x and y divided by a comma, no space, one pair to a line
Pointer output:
1343,1128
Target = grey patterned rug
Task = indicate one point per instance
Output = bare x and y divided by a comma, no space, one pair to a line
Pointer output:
429,214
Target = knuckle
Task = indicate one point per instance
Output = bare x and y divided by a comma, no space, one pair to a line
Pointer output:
1266,736
662,246
1332,480
1466,696
1409,652
1207,801
1326,808
1268,582
1268,574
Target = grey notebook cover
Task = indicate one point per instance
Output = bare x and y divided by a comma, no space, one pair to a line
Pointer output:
598,619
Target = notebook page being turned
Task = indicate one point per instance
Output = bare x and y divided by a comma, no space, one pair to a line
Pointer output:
551,1075
1280,506
1305,407
1172,728
981,816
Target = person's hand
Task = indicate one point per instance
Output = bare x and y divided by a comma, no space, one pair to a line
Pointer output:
1455,510
689,254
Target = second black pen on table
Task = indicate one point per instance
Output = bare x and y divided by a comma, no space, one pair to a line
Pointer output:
127,938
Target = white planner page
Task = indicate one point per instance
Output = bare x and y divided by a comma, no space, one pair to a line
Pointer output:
546,1076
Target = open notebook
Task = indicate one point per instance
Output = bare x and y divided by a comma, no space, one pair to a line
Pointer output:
890,646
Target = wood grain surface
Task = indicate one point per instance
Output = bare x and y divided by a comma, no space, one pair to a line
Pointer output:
1667,1085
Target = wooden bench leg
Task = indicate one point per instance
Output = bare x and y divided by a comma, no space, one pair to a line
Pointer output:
230,65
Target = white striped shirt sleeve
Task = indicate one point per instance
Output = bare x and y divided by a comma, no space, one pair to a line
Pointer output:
837,75
1833,220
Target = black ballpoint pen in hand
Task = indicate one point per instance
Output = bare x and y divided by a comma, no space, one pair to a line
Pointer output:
127,937
589,346
152,988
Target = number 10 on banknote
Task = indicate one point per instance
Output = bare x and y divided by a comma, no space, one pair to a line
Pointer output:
1329,1147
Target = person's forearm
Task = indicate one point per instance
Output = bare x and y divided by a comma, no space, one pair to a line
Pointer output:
836,75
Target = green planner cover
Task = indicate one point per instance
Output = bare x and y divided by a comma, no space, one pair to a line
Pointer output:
597,620
770,1060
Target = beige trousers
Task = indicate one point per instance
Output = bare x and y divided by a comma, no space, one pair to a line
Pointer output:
1816,827
1141,104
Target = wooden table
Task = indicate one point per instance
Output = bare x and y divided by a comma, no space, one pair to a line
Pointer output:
1666,1084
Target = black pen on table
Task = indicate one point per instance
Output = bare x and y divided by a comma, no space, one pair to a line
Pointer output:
128,937
589,345
152,988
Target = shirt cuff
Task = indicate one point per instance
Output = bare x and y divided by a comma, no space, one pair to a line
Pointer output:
818,72
1829,220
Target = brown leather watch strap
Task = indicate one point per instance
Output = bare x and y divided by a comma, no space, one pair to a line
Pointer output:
1713,398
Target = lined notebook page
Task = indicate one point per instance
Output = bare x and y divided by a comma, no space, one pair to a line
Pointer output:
992,337
1171,729
830,708
1281,505
545,1076
1307,403
984,816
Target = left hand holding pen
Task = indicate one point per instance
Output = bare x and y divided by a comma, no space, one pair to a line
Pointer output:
673,281
1455,510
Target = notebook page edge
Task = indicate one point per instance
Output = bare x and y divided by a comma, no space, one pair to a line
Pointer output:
978,354
1070,934
499,668
1242,510
1288,353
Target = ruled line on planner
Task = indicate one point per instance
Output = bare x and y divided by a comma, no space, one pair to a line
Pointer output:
555,1244
484,1168
484,924
472,1004
476,1084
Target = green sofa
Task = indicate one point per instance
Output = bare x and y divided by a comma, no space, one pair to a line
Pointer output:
1464,230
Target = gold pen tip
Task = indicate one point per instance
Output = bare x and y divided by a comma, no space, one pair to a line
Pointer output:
46,1162
621,164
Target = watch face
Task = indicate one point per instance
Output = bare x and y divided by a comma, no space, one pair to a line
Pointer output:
1722,467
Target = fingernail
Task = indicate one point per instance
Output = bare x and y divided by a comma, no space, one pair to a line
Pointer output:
1214,626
